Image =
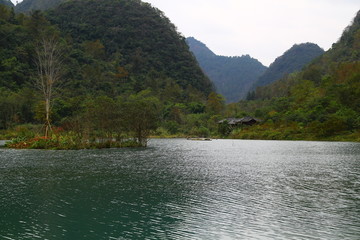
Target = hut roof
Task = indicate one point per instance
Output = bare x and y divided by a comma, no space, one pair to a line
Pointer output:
235,121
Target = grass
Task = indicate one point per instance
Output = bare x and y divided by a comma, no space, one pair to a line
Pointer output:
28,137
291,131
68,141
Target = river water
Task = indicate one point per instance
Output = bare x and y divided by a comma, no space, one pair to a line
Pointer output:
182,189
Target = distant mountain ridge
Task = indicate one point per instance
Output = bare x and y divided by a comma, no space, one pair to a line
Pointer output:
29,5
337,68
294,59
322,101
201,50
7,3
232,76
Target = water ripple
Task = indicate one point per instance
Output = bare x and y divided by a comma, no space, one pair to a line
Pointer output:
178,189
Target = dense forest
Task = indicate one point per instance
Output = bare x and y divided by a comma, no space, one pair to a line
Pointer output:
320,102
130,53
107,73
233,77
291,61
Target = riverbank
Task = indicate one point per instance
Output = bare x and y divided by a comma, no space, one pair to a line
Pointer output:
30,139
68,142
293,132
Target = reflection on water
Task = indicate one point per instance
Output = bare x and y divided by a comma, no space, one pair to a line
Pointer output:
2,143
179,189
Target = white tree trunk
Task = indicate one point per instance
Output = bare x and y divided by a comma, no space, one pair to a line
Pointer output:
48,61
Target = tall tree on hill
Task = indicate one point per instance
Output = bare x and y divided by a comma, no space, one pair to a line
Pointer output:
215,104
48,62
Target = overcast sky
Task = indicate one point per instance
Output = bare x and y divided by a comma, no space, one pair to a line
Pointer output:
264,29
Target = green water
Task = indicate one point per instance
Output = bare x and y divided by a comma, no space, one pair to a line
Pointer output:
180,189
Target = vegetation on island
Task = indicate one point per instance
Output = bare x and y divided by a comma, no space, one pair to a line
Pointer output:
127,74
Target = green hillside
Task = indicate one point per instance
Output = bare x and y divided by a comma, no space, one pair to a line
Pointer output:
134,33
123,72
292,60
320,102
31,5
232,76
117,57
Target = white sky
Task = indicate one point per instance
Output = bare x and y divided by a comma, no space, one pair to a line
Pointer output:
264,29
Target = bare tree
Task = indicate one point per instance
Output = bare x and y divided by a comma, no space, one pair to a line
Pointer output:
48,61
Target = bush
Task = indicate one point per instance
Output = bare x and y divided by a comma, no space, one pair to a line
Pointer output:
200,131
172,127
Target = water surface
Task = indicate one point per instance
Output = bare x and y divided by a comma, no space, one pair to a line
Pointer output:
180,189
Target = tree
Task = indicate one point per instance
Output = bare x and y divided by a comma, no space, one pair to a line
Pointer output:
48,62
142,115
102,118
215,104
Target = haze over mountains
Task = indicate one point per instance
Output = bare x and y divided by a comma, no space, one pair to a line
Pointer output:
292,60
335,69
7,3
232,76
322,100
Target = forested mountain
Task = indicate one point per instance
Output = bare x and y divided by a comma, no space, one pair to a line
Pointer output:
292,60
201,51
136,35
326,66
323,100
122,70
30,5
232,76
111,52
6,3
105,38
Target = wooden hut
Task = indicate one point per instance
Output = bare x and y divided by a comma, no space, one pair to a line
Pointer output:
235,122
